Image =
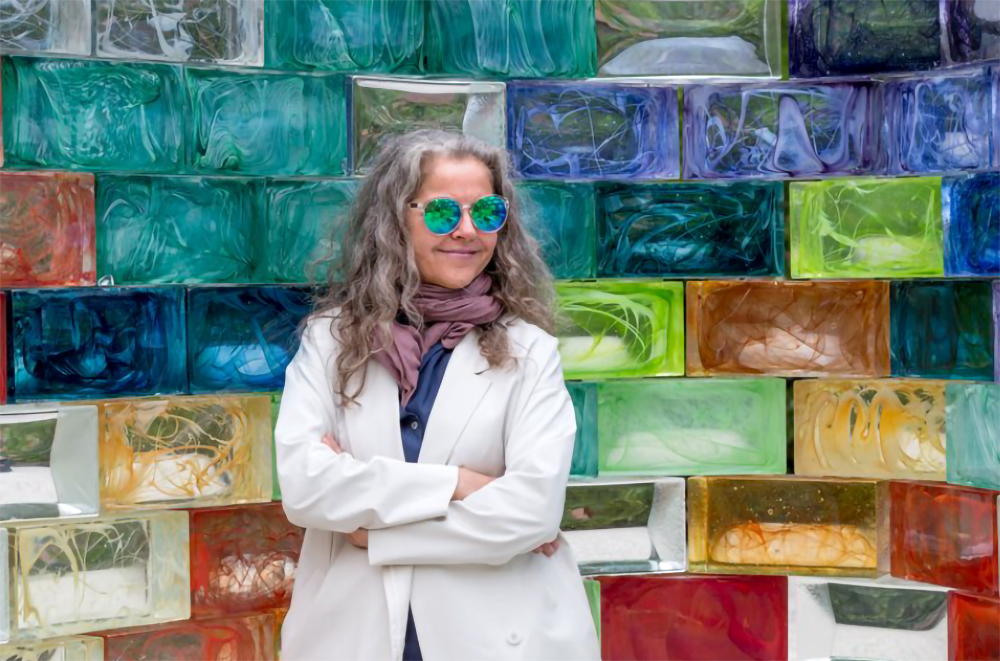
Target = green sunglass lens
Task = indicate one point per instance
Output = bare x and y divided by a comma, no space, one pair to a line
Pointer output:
442,215
489,213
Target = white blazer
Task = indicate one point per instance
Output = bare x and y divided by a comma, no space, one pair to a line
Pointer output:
465,567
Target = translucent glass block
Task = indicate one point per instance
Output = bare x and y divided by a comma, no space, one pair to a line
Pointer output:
4,349
974,434
248,636
788,328
116,571
866,619
60,27
593,130
996,331
592,586
974,627
691,230
185,452
941,123
259,123
275,483
972,32
46,229
370,35
209,31
91,343
383,108
306,229
783,130
242,559
88,115
175,230
691,426
971,207
626,526
562,218
68,648
584,396
866,228
621,329
242,338
942,329
837,38
886,428
48,462
694,617
945,535
782,525
511,38
653,38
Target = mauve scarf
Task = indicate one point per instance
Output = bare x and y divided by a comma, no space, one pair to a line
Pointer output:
449,315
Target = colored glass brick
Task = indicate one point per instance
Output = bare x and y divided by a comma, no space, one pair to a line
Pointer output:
247,636
209,31
242,338
972,32
75,648
593,130
49,462
782,130
691,230
511,38
680,618
92,343
971,207
366,35
268,123
691,426
87,115
584,396
384,108
838,37
974,434
4,348
615,526
882,428
945,535
651,38
242,559
562,218
942,329
996,331
306,229
275,483
46,229
115,571
788,328
866,228
769,525
621,329
941,123
974,628
49,28
174,230
185,452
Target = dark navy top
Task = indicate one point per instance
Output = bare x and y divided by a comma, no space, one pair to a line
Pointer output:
412,421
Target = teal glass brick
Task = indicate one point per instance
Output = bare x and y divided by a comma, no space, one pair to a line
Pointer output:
345,35
306,229
281,124
973,434
562,218
178,230
86,115
584,396
511,38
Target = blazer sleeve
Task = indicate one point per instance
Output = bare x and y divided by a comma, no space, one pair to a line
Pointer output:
330,491
516,512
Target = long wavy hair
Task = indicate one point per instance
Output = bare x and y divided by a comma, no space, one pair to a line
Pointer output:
378,267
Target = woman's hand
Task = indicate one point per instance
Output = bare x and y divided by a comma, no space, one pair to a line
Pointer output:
330,442
549,549
469,482
359,538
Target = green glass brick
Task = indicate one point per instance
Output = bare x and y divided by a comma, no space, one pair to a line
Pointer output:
691,427
593,589
563,219
973,434
281,124
86,115
584,396
306,227
867,228
177,230
621,328
511,38
276,485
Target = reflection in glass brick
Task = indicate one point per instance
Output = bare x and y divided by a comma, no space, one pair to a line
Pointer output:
972,29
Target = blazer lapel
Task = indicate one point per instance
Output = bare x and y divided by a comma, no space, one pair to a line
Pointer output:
373,425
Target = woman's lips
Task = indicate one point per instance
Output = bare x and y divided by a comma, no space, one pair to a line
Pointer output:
459,252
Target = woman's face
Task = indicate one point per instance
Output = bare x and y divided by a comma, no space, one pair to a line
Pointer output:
453,260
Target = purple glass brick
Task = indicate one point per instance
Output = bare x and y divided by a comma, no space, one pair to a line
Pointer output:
972,30
593,131
783,130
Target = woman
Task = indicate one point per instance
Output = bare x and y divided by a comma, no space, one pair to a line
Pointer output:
436,544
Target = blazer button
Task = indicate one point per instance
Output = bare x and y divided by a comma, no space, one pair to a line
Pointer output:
514,638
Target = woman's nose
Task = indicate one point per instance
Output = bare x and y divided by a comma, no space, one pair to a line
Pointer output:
466,229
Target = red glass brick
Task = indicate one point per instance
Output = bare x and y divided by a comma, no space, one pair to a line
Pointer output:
973,628
245,638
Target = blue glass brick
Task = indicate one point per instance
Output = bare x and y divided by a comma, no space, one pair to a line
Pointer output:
972,224
584,396
562,218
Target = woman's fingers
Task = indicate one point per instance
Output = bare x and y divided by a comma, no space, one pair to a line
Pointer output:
332,443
